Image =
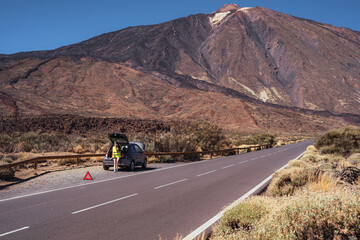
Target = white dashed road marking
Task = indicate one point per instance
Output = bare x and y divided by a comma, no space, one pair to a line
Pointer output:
171,183
206,173
20,229
105,203
232,165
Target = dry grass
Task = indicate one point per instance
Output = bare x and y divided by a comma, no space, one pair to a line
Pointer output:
325,183
309,214
287,181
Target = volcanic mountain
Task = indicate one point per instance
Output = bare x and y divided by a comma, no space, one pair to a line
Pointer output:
237,67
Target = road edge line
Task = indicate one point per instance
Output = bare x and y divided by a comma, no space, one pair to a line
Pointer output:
214,219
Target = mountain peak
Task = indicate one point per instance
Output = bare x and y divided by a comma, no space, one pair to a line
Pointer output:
228,7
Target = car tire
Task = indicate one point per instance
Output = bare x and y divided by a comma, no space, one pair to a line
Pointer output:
144,164
131,166
106,167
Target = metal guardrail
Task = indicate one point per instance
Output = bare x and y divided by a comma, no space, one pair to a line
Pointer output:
159,154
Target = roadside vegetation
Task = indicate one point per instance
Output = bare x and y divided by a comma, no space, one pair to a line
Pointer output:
312,198
191,137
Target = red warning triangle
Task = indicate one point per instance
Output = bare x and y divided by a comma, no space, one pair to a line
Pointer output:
88,176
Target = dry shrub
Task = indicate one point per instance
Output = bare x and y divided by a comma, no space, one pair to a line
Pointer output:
7,173
325,182
285,182
299,163
78,149
25,156
311,149
311,157
317,215
306,215
243,218
6,160
63,162
355,157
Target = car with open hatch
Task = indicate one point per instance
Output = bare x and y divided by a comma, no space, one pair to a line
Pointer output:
132,153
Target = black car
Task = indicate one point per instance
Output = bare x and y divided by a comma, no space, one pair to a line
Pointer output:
132,153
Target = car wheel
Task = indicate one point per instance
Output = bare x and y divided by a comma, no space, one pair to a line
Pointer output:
144,164
106,167
132,166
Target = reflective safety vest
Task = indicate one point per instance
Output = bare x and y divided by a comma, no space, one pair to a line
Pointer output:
115,152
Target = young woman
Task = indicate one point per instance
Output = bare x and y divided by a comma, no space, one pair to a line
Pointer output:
116,154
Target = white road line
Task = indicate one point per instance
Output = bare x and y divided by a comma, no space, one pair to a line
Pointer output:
102,204
214,219
243,162
232,165
206,173
253,159
20,229
182,180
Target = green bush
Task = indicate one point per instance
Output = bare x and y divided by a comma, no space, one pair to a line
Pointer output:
341,141
83,144
7,173
7,144
262,139
176,143
206,136
32,141
243,217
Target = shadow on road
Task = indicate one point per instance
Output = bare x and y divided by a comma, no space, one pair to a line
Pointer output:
135,170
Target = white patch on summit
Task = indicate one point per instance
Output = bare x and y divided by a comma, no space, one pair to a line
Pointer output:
244,9
218,17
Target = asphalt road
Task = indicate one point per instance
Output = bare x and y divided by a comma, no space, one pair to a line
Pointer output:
145,204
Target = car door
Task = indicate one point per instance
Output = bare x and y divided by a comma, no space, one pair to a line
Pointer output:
139,154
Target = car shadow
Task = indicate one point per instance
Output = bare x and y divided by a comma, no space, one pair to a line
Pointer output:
137,169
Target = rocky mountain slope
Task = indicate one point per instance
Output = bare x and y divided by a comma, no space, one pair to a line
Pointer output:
237,67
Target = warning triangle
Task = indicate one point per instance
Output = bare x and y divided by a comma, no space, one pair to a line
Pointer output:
88,176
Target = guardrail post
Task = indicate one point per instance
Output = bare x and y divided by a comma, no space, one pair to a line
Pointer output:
35,165
211,155
77,161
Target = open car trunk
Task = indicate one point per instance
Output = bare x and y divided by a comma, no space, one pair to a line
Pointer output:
120,138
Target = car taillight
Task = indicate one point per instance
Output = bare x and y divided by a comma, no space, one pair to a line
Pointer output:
106,155
125,156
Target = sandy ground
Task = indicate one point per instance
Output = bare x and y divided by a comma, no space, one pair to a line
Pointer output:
32,181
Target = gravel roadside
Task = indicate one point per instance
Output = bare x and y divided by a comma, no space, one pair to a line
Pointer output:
66,178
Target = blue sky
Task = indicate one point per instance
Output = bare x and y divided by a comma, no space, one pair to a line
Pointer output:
28,25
